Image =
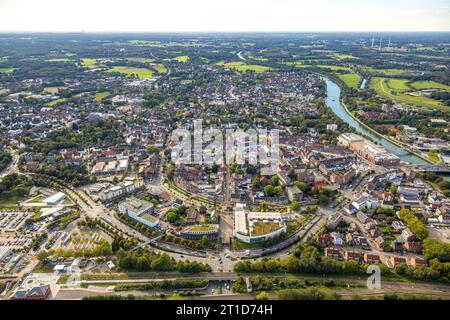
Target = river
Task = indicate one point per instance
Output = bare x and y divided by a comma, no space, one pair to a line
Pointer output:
334,102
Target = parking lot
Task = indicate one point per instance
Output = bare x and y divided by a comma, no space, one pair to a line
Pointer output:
12,220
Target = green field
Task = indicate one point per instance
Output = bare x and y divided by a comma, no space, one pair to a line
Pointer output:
89,63
99,96
398,84
160,68
344,56
429,85
139,72
56,102
388,72
58,60
393,89
7,70
243,67
142,60
352,80
181,58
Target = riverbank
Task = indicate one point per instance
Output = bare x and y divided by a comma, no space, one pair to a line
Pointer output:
394,142
335,102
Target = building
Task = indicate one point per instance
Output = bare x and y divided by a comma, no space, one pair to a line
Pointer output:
345,139
211,231
128,186
54,199
35,293
352,256
294,193
371,258
395,260
139,210
333,253
368,150
417,262
334,220
253,227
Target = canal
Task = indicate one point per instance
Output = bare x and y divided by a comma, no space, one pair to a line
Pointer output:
333,100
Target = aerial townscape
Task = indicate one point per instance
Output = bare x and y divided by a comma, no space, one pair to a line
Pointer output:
129,168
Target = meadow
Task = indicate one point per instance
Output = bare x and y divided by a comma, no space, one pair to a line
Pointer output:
56,102
139,72
352,80
393,89
240,66
7,70
99,96
89,63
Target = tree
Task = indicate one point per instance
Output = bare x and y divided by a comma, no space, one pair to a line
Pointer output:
162,263
278,191
172,216
269,191
323,199
262,296
204,240
295,206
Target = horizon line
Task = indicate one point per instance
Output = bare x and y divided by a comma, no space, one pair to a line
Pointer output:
225,31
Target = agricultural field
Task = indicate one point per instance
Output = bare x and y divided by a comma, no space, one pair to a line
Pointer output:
89,63
181,58
141,60
341,56
388,72
56,102
58,60
398,84
243,67
160,68
394,90
7,70
142,73
429,85
99,96
52,90
352,80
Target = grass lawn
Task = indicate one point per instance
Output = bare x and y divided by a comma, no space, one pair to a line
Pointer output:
56,102
99,96
260,228
433,156
239,245
7,70
140,72
240,66
202,228
37,199
10,202
89,63
352,80
429,85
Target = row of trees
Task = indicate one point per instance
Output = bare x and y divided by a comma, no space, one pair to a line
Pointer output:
5,160
145,261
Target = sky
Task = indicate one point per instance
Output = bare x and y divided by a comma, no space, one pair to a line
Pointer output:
223,15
